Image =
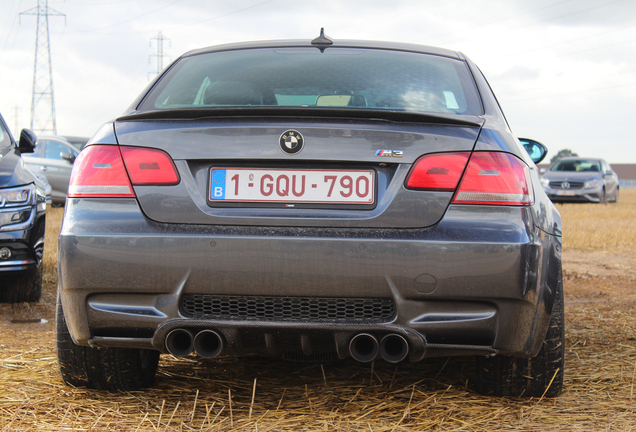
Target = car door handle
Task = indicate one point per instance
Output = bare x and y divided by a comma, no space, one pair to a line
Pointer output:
43,168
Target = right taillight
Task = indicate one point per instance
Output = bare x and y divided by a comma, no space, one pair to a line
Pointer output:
495,178
99,171
111,171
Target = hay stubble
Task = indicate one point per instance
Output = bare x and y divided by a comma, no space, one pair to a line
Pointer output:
259,394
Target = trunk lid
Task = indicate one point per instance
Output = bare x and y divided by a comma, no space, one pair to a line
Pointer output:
331,145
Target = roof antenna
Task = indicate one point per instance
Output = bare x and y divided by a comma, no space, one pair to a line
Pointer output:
322,41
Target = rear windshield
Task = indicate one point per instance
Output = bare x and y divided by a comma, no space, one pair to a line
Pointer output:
341,78
576,166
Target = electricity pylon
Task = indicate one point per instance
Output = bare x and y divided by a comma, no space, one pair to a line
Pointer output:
160,55
42,99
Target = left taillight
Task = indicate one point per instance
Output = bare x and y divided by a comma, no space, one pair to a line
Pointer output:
437,172
100,171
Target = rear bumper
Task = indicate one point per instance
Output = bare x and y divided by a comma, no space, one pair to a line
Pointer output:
459,287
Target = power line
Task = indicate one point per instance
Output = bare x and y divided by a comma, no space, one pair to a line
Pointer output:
173,27
539,88
490,23
6,26
595,35
577,92
465,29
125,21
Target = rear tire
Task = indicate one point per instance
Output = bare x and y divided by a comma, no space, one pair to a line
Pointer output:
122,369
25,286
530,377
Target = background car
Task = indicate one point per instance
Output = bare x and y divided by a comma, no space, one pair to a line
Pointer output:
576,179
78,142
53,157
313,201
22,220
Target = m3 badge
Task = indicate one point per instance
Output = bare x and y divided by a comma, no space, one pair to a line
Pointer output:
389,153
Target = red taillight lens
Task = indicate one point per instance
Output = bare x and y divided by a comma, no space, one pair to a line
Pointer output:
149,166
99,172
495,178
437,172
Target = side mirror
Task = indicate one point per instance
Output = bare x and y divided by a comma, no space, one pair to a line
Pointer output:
535,149
542,171
67,157
28,140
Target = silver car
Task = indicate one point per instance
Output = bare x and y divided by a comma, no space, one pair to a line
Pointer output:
575,179
53,157
313,201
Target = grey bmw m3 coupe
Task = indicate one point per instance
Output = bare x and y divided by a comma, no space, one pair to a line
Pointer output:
311,201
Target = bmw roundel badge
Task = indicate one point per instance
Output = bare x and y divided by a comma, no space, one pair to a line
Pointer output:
291,142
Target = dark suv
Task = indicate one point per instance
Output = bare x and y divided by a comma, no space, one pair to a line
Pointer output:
22,220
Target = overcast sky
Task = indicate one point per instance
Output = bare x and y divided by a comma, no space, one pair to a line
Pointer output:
564,71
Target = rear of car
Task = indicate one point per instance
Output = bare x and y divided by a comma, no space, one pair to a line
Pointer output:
22,221
309,201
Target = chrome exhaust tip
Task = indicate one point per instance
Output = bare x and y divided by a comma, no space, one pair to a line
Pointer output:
394,348
179,342
364,347
208,343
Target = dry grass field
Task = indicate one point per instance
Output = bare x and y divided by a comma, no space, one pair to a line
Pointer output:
258,394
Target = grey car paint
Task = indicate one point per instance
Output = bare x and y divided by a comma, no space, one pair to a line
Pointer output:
186,202
159,267
465,279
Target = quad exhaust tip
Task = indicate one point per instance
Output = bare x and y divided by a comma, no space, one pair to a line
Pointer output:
364,347
179,342
208,344
394,348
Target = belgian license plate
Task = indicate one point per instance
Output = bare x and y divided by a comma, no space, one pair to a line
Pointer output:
292,185
566,192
